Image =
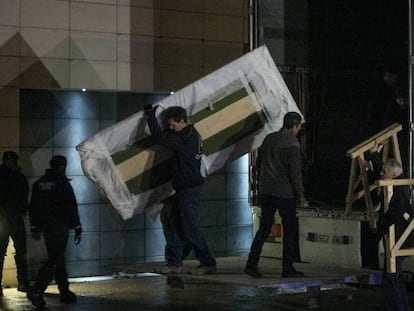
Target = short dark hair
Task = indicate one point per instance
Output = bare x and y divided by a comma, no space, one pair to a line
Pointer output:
57,161
291,118
176,113
9,155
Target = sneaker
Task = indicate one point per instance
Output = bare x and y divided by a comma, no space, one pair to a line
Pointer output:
36,299
292,273
67,297
203,270
169,269
253,272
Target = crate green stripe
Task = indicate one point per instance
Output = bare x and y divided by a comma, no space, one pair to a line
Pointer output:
219,105
133,150
232,134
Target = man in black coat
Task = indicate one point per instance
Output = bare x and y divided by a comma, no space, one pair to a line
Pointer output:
280,189
395,293
53,210
14,194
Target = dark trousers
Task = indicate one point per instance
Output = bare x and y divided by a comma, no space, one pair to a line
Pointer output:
394,290
185,225
287,211
56,239
13,226
168,227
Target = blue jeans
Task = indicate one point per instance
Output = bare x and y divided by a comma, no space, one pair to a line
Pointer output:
168,226
185,225
287,211
395,293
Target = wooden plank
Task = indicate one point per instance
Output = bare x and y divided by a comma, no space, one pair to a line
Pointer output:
367,193
395,182
367,144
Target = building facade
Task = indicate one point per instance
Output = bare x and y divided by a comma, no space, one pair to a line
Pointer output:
124,53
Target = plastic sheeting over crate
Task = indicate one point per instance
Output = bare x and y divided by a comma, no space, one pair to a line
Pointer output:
233,108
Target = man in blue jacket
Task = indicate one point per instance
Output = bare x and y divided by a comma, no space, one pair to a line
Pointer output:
185,142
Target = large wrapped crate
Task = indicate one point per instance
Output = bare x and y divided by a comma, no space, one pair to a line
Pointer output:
233,108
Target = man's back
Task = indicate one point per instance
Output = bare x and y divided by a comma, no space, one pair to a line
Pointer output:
280,172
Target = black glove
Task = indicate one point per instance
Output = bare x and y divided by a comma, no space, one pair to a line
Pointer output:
78,235
150,111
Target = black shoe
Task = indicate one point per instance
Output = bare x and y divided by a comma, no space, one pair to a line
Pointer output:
22,288
253,272
67,297
36,299
292,273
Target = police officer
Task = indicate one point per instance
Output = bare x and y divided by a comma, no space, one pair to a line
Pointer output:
53,210
14,194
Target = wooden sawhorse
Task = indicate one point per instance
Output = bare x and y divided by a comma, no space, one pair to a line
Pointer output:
358,175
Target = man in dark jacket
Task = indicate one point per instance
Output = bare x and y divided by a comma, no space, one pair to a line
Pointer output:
186,144
14,194
53,210
280,188
395,293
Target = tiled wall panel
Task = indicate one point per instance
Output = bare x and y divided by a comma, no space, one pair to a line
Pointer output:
93,45
154,243
92,75
93,17
9,12
223,28
97,1
139,21
134,76
44,14
36,42
9,71
141,3
9,40
228,7
182,25
217,54
44,73
183,5
8,98
133,48
88,249
179,52
175,77
9,135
